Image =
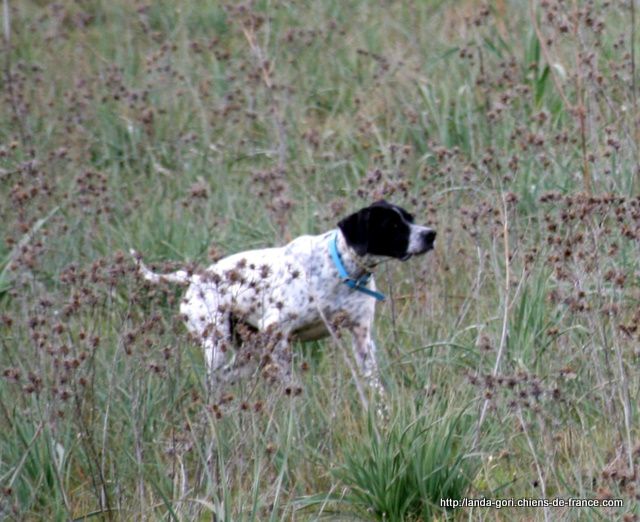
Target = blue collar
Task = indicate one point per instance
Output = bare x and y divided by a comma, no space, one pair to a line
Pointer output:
359,284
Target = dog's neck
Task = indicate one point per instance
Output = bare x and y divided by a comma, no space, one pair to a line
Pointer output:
356,265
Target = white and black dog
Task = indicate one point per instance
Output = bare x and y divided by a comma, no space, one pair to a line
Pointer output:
300,291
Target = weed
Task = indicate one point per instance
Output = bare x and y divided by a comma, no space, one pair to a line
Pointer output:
192,130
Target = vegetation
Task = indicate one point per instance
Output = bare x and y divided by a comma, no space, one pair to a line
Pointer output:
193,129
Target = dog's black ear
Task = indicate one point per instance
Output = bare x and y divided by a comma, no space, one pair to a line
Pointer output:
381,203
355,229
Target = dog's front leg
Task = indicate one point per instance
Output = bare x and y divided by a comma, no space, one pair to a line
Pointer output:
364,351
278,357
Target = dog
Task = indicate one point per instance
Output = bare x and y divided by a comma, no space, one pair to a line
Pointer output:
301,291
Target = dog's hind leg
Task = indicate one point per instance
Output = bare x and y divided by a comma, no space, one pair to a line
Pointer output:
214,353
213,332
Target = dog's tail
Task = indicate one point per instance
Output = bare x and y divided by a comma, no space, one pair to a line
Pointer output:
181,276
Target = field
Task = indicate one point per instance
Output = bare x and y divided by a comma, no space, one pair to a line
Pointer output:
190,130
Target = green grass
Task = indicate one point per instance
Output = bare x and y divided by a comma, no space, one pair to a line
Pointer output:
191,130
404,472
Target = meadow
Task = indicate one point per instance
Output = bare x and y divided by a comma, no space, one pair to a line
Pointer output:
190,130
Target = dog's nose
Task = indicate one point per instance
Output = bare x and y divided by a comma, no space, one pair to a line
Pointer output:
429,236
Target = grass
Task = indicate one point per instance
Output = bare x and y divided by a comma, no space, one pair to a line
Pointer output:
404,473
193,130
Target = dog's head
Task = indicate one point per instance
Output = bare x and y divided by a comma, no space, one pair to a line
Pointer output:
383,229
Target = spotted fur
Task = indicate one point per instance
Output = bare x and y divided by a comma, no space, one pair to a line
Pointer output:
295,292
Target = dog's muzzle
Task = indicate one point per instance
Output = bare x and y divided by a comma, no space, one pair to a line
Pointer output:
420,241
428,238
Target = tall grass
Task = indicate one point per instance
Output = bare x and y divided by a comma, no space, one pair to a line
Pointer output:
190,130
404,472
